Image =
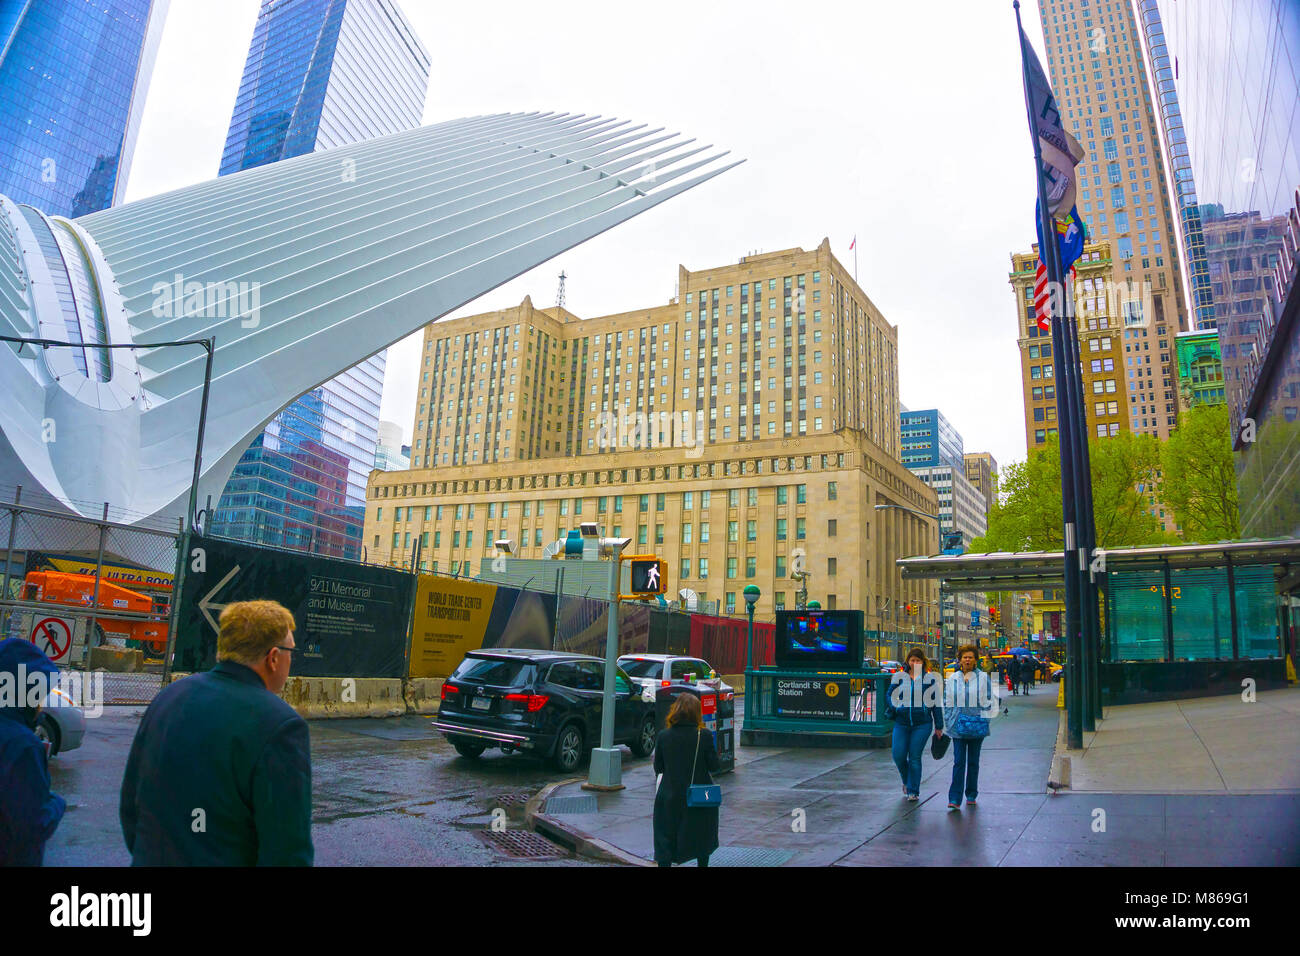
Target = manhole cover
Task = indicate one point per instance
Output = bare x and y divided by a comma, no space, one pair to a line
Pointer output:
746,856
585,804
523,844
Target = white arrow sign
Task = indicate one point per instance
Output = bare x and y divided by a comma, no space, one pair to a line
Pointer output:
205,602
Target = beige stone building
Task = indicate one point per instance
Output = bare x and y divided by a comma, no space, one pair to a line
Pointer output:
982,472
743,430
1101,349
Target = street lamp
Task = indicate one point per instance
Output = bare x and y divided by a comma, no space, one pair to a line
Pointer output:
752,594
606,771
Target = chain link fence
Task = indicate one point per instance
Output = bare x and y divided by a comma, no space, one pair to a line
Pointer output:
95,594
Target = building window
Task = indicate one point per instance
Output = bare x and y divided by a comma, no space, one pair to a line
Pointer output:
831,567
831,527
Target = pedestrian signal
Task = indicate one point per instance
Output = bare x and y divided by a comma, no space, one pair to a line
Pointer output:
649,576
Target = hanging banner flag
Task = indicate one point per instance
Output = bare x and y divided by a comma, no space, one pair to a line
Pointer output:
1060,151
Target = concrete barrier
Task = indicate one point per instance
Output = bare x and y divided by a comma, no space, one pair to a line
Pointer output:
423,695
345,696
116,660
324,697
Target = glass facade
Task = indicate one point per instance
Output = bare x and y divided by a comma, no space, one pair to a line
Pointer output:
1237,72
72,83
1162,74
1199,618
318,75
929,439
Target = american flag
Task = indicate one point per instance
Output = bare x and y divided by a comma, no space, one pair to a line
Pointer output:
1041,311
1040,297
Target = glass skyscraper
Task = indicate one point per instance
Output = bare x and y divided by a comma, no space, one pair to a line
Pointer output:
1237,71
319,74
1180,166
73,78
929,439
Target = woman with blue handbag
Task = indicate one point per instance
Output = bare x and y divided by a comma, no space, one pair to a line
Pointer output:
915,704
968,703
686,798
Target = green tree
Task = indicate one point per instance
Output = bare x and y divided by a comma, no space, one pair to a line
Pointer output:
1199,480
1027,516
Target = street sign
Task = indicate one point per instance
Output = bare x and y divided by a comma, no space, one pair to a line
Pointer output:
53,636
649,576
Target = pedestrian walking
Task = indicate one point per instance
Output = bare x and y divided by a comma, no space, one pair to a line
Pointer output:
968,703
1026,672
29,811
684,756
219,773
915,704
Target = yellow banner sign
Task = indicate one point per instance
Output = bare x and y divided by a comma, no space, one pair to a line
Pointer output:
451,617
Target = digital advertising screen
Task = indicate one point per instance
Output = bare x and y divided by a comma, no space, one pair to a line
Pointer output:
819,639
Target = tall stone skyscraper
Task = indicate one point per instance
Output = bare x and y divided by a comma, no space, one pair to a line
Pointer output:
1095,59
319,74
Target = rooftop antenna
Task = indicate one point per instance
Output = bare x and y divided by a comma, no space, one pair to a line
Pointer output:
559,295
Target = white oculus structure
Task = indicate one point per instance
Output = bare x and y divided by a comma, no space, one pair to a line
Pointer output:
299,269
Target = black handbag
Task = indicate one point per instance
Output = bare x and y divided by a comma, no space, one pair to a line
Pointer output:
939,746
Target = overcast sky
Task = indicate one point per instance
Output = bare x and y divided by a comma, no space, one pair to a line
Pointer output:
902,123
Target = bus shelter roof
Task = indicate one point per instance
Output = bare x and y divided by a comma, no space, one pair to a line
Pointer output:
1034,570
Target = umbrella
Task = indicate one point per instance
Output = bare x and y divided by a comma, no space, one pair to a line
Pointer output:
1019,651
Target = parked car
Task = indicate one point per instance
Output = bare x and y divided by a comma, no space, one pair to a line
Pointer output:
61,723
546,703
652,671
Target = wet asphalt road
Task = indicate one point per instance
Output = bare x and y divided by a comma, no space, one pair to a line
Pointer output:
386,792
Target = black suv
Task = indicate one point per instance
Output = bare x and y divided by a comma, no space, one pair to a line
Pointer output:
547,703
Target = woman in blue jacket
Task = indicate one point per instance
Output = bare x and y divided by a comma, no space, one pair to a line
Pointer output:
915,704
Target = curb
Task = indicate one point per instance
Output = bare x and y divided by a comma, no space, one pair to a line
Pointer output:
581,842
1058,777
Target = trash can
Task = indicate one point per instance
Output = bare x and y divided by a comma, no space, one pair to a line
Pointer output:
719,718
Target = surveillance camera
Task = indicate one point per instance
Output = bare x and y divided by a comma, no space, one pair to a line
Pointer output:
589,529
506,545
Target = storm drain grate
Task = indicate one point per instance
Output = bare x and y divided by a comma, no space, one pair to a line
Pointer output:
746,856
523,844
510,800
585,804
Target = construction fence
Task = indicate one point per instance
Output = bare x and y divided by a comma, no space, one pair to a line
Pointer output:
94,594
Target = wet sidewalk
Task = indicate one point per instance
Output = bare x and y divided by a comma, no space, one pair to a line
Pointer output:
808,807
1221,744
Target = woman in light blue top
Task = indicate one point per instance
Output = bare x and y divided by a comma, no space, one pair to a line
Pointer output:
968,704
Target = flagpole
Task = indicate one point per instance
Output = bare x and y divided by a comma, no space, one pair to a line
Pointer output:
1048,251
